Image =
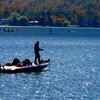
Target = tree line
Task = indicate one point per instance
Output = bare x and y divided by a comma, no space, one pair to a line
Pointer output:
52,12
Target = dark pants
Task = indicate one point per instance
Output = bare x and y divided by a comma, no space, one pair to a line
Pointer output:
37,56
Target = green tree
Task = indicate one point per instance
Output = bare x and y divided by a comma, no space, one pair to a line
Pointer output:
66,23
95,21
49,20
23,20
6,13
13,18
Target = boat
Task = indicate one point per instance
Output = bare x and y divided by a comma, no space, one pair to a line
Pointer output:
10,68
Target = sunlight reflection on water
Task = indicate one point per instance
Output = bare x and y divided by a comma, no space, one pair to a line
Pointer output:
73,73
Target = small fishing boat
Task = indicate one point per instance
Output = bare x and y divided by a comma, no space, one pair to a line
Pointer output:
10,68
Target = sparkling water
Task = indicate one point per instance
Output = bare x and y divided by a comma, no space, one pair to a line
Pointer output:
74,71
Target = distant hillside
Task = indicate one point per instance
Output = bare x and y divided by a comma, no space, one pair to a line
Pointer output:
79,12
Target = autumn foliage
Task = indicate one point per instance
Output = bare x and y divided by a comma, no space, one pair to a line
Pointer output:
54,11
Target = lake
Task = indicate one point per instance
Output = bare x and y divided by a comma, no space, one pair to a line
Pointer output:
74,71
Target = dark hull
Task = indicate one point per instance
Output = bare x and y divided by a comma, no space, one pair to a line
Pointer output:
30,69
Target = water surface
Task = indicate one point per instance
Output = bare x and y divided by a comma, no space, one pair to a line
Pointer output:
74,72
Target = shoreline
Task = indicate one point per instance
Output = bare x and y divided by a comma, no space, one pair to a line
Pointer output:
72,26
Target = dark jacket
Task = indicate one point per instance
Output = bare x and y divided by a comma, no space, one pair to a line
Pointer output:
37,48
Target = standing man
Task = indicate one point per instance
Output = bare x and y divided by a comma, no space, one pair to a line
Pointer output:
36,51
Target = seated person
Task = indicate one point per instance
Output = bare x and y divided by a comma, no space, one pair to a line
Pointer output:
27,62
15,61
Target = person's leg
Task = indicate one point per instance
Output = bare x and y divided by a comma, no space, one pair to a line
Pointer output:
39,58
35,61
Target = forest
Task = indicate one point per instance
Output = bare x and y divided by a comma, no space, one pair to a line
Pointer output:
64,13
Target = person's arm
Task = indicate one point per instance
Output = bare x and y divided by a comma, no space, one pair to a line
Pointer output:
41,49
